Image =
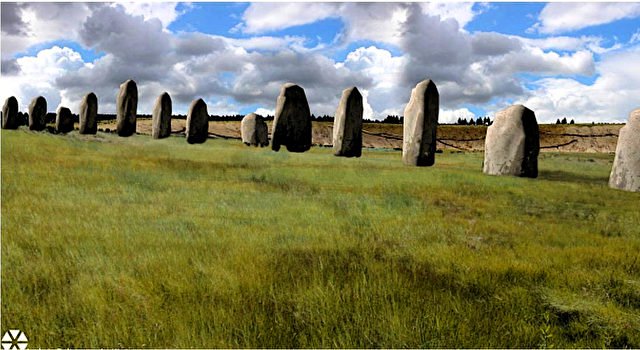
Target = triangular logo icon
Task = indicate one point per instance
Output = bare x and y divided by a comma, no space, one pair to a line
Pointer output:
6,338
6,345
22,346
14,333
22,338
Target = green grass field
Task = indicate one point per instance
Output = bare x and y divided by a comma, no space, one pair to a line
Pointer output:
134,242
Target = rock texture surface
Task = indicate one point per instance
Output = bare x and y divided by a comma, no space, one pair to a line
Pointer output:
420,124
625,173
38,114
64,120
127,108
253,130
292,121
347,124
512,143
197,129
89,114
161,118
10,114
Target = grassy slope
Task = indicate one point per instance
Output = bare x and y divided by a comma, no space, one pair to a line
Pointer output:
141,243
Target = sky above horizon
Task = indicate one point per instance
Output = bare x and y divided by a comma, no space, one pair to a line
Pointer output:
573,60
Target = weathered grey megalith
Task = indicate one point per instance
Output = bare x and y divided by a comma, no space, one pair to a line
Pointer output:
254,130
420,125
10,114
38,114
625,173
64,120
162,117
292,122
126,108
347,124
89,114
197,129
512,143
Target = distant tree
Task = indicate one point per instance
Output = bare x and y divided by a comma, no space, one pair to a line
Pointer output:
479,121
471,122
564,120
558,121
572,122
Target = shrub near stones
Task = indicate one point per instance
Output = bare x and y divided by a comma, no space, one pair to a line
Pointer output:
89,114
420,125
292,121
10,114
126,108
512,143
347,124
625,172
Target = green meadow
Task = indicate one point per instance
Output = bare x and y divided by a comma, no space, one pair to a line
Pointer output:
133,242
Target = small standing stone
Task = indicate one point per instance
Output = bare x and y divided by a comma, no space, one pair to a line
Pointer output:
420,125
10,114
254,130
625,173
126,107
38,114
64,120
162,117
197,129
512,143
347,124
89,114
292,121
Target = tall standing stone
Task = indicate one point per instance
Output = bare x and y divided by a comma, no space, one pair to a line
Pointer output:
420,125
625,173
197,129
512,143
292,122
38,114
10,114
162,117
347,124
89,114
64,120
253,130
126,107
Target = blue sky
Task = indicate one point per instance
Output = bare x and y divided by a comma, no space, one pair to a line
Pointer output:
577,60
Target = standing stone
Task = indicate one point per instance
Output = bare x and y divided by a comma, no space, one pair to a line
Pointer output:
512,143
254,130
64,120
89,114
197,129
347,124
38,114
162,117
625,173
420,125
10,114
292,122
126,107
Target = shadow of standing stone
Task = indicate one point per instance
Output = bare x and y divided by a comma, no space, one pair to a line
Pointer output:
38,114
10,114
127,108
292,121
347,124
64,120
625,172
420,125
197,129
89,114
161,118
512,143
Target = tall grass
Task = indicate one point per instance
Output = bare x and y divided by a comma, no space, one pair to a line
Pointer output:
133,242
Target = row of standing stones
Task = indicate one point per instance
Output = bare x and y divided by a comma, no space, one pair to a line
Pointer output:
512,143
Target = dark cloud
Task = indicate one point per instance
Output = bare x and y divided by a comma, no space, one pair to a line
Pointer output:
10,67
493,44
12,22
